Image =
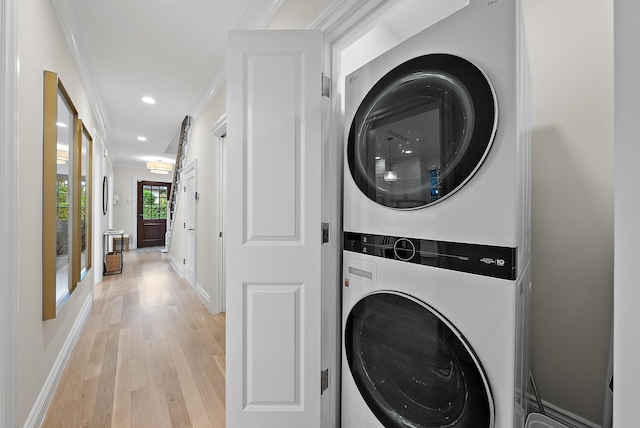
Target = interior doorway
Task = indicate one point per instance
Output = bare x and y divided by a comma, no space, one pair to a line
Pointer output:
152,213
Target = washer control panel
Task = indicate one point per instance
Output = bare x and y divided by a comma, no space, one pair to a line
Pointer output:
487,260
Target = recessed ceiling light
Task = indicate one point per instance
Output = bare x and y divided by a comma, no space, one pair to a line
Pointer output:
148,100
141,138
61,125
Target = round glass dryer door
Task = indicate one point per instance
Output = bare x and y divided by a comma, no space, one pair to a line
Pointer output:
413,368
422,131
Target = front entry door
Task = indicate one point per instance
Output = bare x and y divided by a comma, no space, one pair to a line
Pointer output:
152,213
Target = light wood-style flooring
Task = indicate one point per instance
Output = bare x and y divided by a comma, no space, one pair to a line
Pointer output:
150,355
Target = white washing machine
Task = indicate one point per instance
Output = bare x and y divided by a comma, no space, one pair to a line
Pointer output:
437,227
429,347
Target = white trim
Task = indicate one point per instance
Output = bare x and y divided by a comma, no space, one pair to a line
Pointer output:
133,234
258,16
8,211
175,265
97,215
40,407
70,20
203,295
219,129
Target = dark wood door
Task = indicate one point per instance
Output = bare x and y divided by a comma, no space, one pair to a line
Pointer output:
152,213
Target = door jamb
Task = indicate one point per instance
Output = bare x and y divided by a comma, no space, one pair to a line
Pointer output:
218,131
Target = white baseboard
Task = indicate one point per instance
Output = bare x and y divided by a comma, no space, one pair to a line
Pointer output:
563,416
204,296
40,407
177,266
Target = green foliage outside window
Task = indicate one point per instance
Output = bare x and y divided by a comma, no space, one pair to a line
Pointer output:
154,202
63,199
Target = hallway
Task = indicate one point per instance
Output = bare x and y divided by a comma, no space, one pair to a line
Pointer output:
150,355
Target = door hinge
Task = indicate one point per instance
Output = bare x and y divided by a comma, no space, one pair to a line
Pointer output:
197,197
326,86
324,380
184,225
185,188
220,235
325,233
184,261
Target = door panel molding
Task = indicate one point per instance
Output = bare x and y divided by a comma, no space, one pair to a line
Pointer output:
272,223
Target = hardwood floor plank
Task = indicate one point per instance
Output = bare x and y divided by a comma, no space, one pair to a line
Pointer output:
189,387
150,355
155,384
138,363
104,400
175,400
140,409
122,389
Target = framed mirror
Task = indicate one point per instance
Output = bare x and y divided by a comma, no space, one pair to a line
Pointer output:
60,141
105,195
82,233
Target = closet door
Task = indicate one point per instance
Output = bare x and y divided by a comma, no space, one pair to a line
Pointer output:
273,229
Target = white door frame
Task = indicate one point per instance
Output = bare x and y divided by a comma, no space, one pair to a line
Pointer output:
98,216
219,131
8,210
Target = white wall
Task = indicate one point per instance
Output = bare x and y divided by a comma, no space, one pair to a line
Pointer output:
124,182
295,14
627,213
8,210
41,46
571,53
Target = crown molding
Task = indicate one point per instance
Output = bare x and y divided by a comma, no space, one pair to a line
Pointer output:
258,16
72,28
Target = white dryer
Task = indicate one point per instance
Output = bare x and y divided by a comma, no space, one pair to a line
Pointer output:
436,227
436,138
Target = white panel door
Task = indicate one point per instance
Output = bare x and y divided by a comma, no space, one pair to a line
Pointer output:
190,225
273,229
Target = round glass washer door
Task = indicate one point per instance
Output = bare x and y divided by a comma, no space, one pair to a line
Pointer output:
422,131
413,368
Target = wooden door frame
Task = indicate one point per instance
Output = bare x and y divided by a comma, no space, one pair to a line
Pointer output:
139,205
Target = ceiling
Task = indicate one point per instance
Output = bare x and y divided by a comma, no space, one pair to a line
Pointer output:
173,51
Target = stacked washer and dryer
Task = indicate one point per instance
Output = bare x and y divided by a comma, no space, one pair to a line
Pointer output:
436,260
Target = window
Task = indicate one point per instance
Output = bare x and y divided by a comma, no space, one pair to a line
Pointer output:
154,202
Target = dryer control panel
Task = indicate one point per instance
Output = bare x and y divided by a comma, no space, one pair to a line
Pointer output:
487,260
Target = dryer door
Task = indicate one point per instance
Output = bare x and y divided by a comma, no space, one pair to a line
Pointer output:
422,131
413,368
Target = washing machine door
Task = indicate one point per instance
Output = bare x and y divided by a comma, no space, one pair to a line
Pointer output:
422,131
413,368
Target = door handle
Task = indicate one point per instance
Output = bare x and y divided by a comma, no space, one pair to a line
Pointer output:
192,228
